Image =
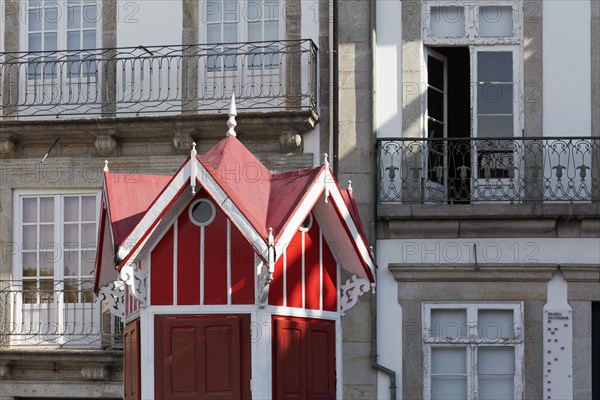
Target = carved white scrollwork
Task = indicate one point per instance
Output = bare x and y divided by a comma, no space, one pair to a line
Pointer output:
136,279
264,279
113,295
351,291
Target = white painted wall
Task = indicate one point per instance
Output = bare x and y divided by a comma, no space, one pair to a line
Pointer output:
567,68
389,68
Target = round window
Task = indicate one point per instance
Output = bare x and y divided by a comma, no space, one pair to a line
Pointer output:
305,227
202,212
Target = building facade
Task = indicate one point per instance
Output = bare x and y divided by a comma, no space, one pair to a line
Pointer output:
488,229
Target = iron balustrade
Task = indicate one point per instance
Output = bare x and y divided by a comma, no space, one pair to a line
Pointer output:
47,312
500,170
199,78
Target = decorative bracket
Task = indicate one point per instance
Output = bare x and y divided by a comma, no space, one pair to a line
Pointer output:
352,290
266,273
114,296
136,279
106,145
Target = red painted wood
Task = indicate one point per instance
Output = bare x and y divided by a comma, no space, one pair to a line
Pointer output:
276,285
330,296
215,260
242,269
293,280
131,355
202,357
303,358
312,270
188,260
162,271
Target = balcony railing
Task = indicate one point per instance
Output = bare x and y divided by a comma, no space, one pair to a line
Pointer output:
503,170
275,75
54,313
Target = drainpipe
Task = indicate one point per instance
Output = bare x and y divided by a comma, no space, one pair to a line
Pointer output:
374,195
334,86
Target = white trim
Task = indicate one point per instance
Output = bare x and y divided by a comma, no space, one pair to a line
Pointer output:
175,256
284,276
303,277
310,218
302,312
321,270
228,261
202,239
147,353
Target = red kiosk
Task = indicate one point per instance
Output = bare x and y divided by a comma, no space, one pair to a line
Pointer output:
231,276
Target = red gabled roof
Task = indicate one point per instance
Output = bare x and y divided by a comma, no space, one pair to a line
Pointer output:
129,196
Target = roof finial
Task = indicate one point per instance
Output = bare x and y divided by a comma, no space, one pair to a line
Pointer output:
105,165
193,171
231,123
349,185
327,177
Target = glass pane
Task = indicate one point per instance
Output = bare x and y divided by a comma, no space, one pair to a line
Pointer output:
271,30
35,19
71,236
51,19
29,237
88,235
71,262
494,66
495,21
90,17
88,208
71,209
493,324
29,264
448,21
254,10
271,10
88,258
448,387
46,209
47,237
449,323
35,42
495,360
496,388
449,360
230,10
495,98
435,73
73,40
89,39
30,210
491,126
213,33
254,31
74,18
230,33
435,104
212,11
50,43
47,259
71,291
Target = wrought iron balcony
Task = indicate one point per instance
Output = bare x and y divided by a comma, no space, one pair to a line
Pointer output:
276,75
47,312
503,170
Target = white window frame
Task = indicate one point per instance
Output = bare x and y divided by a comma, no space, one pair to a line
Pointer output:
57,305
471,342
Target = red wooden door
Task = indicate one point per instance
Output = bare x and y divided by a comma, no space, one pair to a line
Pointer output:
303,358
202,357
131,340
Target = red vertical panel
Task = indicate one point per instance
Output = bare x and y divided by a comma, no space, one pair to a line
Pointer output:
293,272
131,373
329,280
242,269
320,364
289,357
215,260
312,270
276,285
222,357
188,261
162,271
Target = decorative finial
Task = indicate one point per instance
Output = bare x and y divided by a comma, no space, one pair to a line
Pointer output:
325,159
327,177
349,185
193,171
231,123
105,165
271,238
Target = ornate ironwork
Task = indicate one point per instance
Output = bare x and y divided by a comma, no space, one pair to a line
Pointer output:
55,313
502,170
199,78
351,291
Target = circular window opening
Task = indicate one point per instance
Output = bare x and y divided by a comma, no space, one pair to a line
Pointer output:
305,227
202,212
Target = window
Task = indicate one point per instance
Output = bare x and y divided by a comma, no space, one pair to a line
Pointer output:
202,212
53,26
56,237
473,351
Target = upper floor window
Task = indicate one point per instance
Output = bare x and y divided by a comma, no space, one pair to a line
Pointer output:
61,25
473,351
